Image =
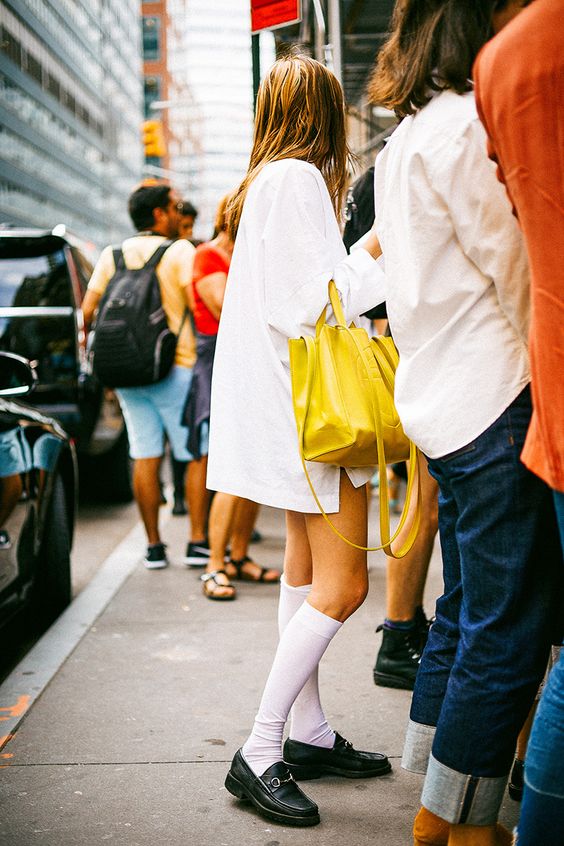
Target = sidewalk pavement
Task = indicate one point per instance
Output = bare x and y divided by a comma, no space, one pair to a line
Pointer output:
131,740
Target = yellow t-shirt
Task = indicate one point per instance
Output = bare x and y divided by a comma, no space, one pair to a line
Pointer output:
174,273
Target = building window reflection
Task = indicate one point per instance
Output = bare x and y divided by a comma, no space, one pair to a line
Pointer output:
152,92
151,38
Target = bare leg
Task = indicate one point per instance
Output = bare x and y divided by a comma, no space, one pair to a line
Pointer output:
243,524
340,575
339,586
406,576
198,498
148,495
242,528
403,633
221,518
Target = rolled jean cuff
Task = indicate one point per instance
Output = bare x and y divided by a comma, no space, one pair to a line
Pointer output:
417,747
459,798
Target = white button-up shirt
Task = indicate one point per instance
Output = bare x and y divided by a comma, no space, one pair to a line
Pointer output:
456,276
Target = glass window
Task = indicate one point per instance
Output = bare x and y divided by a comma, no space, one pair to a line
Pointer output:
35,275
151,38
152,92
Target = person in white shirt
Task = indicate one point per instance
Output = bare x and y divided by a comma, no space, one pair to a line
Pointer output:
288,247
458,305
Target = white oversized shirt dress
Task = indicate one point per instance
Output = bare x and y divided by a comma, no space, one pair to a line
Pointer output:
287,249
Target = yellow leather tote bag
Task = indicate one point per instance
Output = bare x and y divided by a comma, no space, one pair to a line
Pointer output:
343,397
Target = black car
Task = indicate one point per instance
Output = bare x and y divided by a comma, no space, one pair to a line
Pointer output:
38,487
43,278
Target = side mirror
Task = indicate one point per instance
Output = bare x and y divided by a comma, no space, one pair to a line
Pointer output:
16,375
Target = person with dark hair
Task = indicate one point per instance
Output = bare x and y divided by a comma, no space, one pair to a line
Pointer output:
153,411
405,627
523,113
188,215
457,299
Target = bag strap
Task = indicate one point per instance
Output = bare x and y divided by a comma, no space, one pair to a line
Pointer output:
413,470
119,261
155,258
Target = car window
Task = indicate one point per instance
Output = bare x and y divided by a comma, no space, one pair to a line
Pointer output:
35,281
83,267
32,285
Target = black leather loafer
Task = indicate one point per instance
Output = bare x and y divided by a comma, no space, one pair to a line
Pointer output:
306,762
275,794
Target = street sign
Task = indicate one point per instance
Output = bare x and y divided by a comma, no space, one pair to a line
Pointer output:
270,14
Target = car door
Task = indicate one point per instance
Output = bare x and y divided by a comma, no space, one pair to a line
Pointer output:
38,320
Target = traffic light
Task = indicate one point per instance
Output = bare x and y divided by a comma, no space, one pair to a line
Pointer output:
153,139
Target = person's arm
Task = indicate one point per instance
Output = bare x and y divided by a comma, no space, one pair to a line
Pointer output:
485,226
298,257
101,275
183,257
211,289
89,306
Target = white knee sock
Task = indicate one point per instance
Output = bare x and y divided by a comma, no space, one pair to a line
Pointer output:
308,722
304,640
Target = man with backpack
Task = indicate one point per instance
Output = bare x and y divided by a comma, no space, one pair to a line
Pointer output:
144,346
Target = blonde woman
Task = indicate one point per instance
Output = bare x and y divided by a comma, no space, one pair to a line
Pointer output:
288,246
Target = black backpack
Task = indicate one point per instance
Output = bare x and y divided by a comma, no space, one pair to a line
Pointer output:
132,342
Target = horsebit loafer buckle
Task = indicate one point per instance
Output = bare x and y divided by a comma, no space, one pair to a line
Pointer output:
276,782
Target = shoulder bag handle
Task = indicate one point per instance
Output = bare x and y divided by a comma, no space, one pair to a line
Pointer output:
413,468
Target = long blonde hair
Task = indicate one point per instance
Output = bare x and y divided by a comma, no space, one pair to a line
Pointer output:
300,115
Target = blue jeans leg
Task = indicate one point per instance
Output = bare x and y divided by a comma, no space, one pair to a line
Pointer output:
488,647
542,809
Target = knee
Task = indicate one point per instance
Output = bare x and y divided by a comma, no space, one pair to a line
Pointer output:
340,606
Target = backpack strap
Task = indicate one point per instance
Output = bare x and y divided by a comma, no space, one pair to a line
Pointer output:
158,254
119,261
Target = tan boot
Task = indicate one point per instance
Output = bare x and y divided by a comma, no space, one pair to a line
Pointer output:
479,835
430,830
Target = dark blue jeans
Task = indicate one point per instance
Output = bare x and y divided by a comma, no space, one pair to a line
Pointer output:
488,647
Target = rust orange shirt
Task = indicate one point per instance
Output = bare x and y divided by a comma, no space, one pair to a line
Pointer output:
519,78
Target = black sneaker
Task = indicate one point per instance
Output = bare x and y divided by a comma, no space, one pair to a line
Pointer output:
197,554
5,540
155,558
398,658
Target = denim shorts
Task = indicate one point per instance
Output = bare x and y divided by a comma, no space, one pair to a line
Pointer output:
15,454
153,411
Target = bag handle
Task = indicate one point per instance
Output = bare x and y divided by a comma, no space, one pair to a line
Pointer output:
413,469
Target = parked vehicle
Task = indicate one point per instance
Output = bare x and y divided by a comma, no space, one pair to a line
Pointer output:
38,488
43,278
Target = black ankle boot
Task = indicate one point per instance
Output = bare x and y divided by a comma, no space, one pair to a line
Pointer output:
398,658
423,625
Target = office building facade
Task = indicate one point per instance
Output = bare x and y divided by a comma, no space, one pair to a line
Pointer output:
71,108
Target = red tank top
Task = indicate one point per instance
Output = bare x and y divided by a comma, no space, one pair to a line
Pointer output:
207,260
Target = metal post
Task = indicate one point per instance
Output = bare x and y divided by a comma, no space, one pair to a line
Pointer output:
335,37
255,52
319,28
